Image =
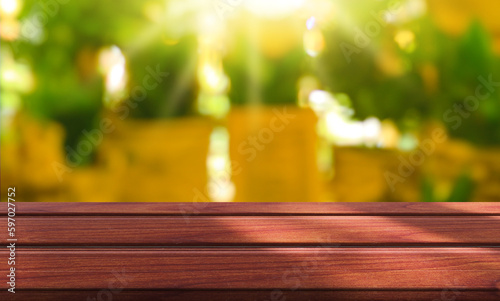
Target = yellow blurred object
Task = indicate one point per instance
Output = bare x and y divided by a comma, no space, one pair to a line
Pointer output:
274,42
28,160
360,176
272,159
9,29
430,77
86,62
41,145
390,134
405,40
314,42
389,62
158,160
456,157
273,154
92,184
10,172
486,172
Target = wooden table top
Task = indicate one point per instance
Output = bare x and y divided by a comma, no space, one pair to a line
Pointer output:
255,251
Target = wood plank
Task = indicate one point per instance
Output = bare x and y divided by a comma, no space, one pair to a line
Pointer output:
118,294
258,268
202,208
251,230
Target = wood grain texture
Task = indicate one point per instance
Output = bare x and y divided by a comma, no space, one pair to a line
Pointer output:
257,231
260,209
251,295
255,251
259,268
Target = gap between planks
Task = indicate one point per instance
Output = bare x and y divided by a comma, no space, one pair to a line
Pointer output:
258,209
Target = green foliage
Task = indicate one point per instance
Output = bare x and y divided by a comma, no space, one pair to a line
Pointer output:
175,94
471,59
462,190
276,80
403,94
63,54
381,79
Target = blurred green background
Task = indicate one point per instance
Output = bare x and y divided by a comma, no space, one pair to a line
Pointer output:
378,74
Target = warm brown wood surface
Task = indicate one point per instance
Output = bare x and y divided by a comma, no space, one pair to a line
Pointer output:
249,251
261,268
252,295
237,209
254,230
